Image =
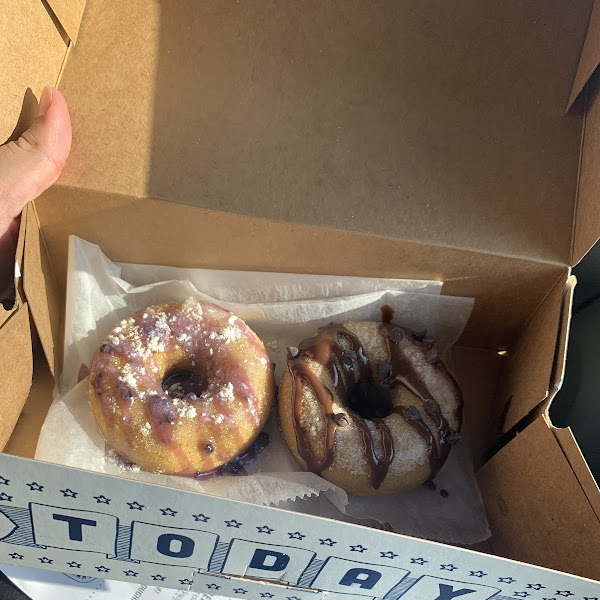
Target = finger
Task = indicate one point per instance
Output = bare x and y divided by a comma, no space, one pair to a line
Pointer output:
31,164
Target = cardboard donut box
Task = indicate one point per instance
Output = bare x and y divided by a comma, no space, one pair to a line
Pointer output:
413,139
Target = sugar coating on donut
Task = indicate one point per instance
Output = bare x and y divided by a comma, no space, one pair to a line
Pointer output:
193,309
368,334
227,392
347,439
150,417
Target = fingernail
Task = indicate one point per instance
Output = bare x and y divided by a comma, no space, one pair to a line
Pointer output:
45,100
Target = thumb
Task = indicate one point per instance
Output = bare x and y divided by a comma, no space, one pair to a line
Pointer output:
31,164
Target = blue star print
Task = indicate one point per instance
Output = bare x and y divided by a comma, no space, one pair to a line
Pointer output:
5,497
240,591
448,567
506,580
477,574
69,493
168,512
357,548
4,481
102,569
233,523
35,487
418,561
130,573
201,517
45,560
535,586
521,594
74,565
16,556
585,598
296,535
135,505
186,581
327,542
265,529
158,577
564,593
102,499
266,595
388,554
213,586
292,598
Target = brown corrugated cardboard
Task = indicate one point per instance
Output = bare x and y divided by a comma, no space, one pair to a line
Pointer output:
508,290
28,64
25,436
527,374
6,312
39,285
113,153
351,139
588,215
379,121
15,337
558,368
69,14
590,55
580,468
537,510
586,230
478,373
20,257
16,369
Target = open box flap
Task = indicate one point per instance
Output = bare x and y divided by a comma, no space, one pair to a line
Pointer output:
16,364
587,217
564,327
126,529
126,229
39,285
69,14
16,369
340,116
590,55
574,456
34,52
538,512
24,438
535,364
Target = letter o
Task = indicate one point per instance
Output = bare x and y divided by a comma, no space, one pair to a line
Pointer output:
165,541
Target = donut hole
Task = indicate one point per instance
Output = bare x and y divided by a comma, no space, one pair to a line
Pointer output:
183,381
369,400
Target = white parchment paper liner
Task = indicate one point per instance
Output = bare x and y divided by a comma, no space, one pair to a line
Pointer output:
282,309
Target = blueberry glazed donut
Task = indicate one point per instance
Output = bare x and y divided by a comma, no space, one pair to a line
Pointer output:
369,407
181,388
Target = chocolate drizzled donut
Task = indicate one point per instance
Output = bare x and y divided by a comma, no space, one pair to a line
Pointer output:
368,375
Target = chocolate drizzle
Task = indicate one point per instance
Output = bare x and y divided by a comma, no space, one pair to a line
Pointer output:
387,313
403,372
379,466
325,349
354,384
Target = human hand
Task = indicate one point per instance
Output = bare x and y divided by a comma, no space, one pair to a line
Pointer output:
28,167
